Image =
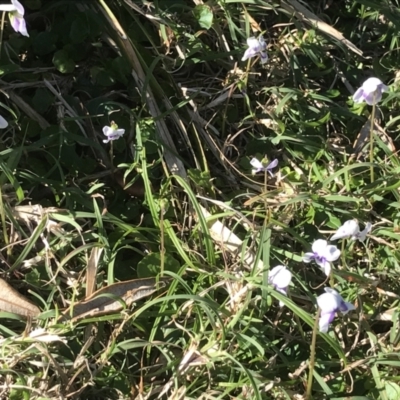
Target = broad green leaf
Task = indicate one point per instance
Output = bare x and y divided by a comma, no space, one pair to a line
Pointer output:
204,15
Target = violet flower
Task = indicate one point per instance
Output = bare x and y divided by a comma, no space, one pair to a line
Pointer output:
16,13
370,91
3,123
112,132
350,229
256,46
330,303
323,254
280,277
263,165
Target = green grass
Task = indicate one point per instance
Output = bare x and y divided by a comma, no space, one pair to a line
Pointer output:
175,198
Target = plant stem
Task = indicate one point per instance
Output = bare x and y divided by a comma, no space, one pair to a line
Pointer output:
342,253
371,140
267,211
3,222
265,182
312,357
111,158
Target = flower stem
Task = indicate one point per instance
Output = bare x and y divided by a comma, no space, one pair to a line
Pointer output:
343,256
311,363
331,280
265,182
371,140
111,158
267,211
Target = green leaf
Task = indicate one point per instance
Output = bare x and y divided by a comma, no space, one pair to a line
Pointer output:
45,43
392,390
6,69
79,30
42,100
150,265
204,16
63,62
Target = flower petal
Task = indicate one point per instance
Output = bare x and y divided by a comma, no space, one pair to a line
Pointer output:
273,164
324,321
373,98
262,43
325,266
263,57
348,229
384,88
329,302
308,257
19,25
22,30
18,7
3,123
345,307
319,246
281,290
254,43
332,253
249,53
363,234
358,96
371,85
280,277
256,164
108,130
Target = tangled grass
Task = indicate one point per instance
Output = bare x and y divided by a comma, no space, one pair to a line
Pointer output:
138,269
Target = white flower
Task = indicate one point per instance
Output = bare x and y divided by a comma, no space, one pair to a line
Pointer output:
3,123
261,166
112,132
350,229
16,13
256,47
323,254
330,303
280,277
370,91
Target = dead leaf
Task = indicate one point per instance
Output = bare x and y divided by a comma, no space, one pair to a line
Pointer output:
386,315
111,298
230,242
13,302
91,270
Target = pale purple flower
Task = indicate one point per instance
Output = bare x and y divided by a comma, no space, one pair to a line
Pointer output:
16,13
3,123
330,303
256,46
350,229
370,91
112,132
280,277
323,254
263,165
363,234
